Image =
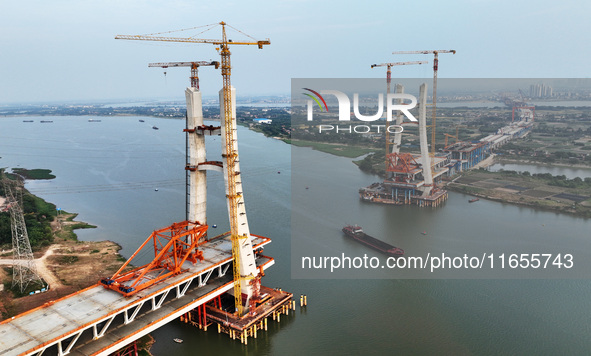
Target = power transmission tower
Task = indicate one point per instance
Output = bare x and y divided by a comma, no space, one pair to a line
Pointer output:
23,266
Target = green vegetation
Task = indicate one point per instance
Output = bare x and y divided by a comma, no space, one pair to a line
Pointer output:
561,136
557,181
543,191
34,173
373,163
68,226
335,149
38,216
279,127
31,287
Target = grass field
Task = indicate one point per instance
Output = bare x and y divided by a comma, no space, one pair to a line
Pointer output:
335,149
525,190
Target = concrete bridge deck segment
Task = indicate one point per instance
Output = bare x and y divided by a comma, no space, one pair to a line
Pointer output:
99,321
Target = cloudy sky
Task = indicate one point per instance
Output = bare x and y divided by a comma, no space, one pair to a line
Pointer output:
65,50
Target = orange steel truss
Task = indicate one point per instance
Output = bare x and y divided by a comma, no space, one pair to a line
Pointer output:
173,246
401,163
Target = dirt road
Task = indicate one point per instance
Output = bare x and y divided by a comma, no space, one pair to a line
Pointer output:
41,266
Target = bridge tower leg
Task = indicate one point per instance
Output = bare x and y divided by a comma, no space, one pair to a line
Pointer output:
426,160
244,261
197,179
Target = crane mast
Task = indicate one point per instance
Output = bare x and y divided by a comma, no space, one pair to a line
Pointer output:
388,85
435,69
244,266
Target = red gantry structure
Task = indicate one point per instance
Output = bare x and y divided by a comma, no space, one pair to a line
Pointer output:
173,246
410,178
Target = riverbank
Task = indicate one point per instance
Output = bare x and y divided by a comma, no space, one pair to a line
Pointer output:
67,266
523,190
63,263
336,149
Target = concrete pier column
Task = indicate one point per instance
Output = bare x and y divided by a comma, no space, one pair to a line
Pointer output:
197,194
426,160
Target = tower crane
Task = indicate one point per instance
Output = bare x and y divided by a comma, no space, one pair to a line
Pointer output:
194,68
388,83
435,68
245,272
457,137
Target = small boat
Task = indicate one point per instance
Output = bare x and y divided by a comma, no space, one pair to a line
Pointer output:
46,121
424,232
214,226
93,120
155,128
473,200
141,120
28,121
156,189
177,340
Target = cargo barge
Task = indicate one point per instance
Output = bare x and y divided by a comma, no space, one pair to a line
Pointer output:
356,232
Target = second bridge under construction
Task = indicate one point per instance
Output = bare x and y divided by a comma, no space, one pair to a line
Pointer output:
410,178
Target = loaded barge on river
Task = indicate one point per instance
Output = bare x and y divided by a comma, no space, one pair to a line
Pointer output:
356,232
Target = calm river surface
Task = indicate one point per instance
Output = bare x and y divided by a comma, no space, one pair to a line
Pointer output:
568,172
109,171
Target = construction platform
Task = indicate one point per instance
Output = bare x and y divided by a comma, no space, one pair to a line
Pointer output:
99,321
401,194
273,303
405,183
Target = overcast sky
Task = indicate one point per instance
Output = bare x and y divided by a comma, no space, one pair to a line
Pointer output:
65,50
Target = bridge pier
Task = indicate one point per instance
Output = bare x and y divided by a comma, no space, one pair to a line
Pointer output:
274,303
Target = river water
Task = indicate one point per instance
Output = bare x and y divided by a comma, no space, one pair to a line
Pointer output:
109,171
568,172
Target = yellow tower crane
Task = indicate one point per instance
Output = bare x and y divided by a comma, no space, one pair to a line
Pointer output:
457,137
388,84
435,68
231,152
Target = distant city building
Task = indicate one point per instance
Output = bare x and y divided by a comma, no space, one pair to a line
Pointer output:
262,121
540,91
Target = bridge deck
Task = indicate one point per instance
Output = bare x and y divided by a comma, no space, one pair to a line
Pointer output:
95,307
